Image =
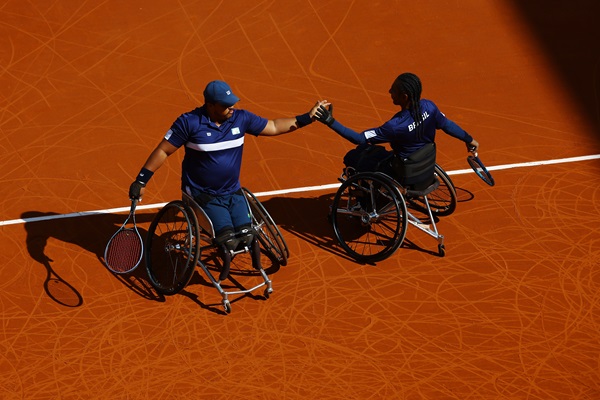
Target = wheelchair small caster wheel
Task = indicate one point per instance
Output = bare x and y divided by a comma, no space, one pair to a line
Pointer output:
441,250
267,293
227,306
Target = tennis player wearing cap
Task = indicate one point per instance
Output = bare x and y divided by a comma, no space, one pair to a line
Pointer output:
213,137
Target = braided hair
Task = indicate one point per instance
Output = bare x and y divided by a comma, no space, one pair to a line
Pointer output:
410,85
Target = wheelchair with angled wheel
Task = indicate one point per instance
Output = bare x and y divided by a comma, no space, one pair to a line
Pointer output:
442,200
181,233
372,210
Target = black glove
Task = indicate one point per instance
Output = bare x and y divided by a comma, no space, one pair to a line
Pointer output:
135,190
324,115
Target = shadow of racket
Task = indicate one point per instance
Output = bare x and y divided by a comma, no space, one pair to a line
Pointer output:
60,290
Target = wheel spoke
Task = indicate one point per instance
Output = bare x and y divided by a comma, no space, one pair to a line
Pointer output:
171,250
371,231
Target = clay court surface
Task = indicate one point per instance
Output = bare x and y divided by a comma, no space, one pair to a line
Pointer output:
511,312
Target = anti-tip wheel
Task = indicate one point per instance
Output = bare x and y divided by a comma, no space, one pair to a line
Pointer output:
441,250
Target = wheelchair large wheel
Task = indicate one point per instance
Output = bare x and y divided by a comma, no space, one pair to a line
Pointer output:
172,248
369,217
269,235
443,199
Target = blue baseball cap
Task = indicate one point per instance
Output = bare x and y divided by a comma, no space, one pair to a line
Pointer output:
220,92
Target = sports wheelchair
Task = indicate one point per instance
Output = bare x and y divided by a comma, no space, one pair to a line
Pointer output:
371,210
181,232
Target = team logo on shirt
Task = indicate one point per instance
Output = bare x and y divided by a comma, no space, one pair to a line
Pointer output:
235,131
370,134
415,124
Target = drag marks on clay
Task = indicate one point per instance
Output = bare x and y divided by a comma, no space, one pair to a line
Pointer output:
511,311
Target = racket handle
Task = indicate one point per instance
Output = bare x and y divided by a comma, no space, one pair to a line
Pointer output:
472,149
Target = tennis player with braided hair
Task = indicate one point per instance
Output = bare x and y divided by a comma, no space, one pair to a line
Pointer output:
408,130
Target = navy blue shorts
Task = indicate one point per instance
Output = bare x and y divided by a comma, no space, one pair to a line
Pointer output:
226,211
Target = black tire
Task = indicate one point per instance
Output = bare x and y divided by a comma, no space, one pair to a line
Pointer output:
374,230
441,250
443,199
172,248
269,235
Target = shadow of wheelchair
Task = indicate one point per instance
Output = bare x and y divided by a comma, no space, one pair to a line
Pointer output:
241,273
307,219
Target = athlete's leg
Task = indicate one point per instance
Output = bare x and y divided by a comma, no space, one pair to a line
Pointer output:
217,210
240,215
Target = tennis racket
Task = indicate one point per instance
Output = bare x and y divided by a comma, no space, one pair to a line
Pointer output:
479,167
124,250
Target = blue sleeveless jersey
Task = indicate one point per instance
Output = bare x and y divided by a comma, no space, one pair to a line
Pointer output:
213,154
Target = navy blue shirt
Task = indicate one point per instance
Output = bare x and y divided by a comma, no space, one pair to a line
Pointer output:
213,154
401,130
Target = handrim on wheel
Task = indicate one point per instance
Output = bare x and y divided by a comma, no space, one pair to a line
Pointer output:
369,217
172,248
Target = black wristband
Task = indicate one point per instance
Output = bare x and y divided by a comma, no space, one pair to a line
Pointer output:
144,176
303,120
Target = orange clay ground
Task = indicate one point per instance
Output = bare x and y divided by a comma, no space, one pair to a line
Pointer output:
511,312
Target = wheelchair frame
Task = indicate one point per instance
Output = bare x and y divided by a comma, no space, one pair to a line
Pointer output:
385,217
181,231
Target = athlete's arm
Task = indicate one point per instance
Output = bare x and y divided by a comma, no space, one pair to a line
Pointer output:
280,126
325,116
347,133
452,129
159,155
156,159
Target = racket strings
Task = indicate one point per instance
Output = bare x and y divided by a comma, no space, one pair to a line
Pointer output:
480,170
124,251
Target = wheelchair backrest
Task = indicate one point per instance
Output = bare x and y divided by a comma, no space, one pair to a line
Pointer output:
417,170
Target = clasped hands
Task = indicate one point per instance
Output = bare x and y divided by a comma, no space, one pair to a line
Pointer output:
323,112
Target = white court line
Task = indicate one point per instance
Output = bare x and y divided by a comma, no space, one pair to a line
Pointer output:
294,190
